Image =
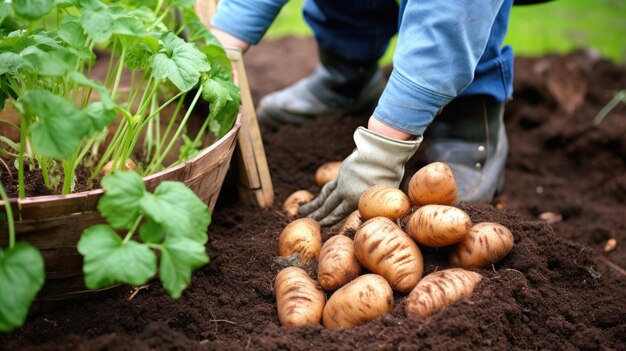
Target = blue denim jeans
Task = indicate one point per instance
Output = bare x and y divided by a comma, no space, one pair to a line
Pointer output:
361,29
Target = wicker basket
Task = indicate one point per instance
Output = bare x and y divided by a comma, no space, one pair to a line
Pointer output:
55,223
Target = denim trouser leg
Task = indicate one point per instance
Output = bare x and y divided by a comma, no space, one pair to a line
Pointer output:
354,29
493,76
361,30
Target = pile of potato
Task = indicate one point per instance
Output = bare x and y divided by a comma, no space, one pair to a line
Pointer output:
363,273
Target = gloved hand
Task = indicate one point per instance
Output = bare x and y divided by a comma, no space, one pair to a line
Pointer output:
376,160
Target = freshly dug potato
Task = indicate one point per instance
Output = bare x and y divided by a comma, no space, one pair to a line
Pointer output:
383,248
300,302
301,236
327,172
337,263
485,244
440,289
433,184
352,223
383,201
362,300
438,225
129,165
295,200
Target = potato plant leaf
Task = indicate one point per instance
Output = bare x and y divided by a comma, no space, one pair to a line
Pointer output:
182,3
141,52
10,62
224,98
120,204
110,260
179,62
21,277
48,60
178,210
71,32
32,9
97,24
151,232
179,258
58,125
99,116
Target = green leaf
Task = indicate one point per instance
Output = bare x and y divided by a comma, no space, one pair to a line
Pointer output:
47,60
72,32
21,277
151,232
99,116
10,62
66,3
225,99
180,62
32,9
109,260
197,30
182,3
139,54
59,125
5,11
127,25
98,24
179,258
221,66
178,210
120,204
190,148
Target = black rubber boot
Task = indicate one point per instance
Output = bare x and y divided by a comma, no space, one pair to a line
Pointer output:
336,87
469,136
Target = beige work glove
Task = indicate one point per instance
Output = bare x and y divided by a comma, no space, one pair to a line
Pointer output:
376,160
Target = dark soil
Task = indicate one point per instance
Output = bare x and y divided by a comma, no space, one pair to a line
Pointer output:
557,289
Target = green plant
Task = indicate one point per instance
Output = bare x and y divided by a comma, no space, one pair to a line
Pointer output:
619,97
172,220
46,56
21,275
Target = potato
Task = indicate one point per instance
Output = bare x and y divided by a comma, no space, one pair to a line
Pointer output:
300,302
383,248
440,289
383,201
485,244
438,225
295,200
301,236
327,172
362,300
337,263
433,184
129,165
352,223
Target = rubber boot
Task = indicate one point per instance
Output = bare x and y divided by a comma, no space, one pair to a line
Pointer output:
469,136
337,87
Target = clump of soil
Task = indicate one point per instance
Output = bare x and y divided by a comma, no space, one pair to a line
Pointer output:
557,289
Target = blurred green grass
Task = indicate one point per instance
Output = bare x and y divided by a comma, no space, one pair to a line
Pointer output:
556,27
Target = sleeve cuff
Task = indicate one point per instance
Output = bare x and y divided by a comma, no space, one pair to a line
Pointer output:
247,20
407,106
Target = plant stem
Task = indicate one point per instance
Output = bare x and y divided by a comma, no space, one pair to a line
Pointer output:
162,156
9,212
132,230
43,164
68,176
20,161
619,97
118,76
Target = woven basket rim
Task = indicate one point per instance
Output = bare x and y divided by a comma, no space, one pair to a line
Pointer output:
96,192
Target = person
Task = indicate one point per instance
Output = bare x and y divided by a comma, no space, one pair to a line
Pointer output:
449,54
